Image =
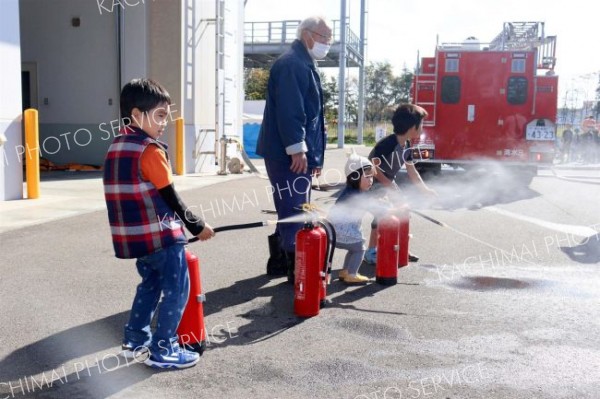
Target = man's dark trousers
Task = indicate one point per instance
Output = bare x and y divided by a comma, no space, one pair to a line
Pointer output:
290,191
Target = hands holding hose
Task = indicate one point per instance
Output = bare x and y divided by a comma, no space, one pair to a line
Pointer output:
207,233
429,192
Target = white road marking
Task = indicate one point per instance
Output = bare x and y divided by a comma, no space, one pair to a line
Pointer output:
582,231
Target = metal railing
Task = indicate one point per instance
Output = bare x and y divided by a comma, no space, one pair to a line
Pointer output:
284,32
527,36
272,32
352,40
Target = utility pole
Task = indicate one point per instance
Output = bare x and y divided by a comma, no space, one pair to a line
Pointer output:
361,74
342,76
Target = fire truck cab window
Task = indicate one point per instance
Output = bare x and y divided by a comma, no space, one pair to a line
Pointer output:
516,92
450,89
451,65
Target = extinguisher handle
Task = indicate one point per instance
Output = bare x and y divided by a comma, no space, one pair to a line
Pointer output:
331,240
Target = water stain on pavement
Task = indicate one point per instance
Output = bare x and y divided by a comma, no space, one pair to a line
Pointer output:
547,287
429,266
343,371
263,371
484,283
372,329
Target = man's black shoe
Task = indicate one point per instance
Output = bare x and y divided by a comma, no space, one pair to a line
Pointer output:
277,267
412,258
277,263
291,260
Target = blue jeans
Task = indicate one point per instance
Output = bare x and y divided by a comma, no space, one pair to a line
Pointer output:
163,272
290,191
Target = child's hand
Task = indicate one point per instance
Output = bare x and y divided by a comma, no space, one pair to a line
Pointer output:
402,207
430,192
207,233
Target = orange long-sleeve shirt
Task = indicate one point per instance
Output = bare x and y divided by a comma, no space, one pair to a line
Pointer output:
155,167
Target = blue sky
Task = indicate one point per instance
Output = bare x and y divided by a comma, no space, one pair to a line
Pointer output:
398,29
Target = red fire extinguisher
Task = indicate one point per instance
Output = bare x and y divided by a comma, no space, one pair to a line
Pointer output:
404,234
322,273
191,330
386,269
313,246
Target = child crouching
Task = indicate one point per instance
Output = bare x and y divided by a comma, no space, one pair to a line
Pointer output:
347,214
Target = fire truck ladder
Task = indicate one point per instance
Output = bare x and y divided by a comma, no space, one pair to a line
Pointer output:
527,36
427,81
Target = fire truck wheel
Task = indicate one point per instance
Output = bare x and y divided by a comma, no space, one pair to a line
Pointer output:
428,170
522,175
527,175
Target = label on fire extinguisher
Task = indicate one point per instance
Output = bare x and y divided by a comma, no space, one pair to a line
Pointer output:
301,275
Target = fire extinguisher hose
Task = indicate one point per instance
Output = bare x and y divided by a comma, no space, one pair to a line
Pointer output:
237,227
442,224
432,220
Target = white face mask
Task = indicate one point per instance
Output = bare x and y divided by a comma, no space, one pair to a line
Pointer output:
319,50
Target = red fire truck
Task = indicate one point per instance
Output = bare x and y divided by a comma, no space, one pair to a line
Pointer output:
489,101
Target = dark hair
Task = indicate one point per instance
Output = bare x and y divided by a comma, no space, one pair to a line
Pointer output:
407,116
353,179
143,94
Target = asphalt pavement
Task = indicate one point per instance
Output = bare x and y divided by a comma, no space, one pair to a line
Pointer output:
504,302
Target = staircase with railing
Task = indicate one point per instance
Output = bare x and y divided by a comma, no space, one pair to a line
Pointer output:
265,41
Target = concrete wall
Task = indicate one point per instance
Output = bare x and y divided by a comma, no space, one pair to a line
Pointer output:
79,79
165,55
11,168
77,68
134,43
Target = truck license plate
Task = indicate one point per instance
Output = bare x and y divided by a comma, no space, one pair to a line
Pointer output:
540,133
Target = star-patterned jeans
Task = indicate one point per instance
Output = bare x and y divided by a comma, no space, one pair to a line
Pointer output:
163,272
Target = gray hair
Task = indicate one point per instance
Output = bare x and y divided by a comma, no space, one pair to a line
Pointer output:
310,23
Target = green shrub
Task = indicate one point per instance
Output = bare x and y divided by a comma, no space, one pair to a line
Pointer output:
350,136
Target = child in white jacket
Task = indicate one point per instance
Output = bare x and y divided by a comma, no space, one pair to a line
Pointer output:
347,214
